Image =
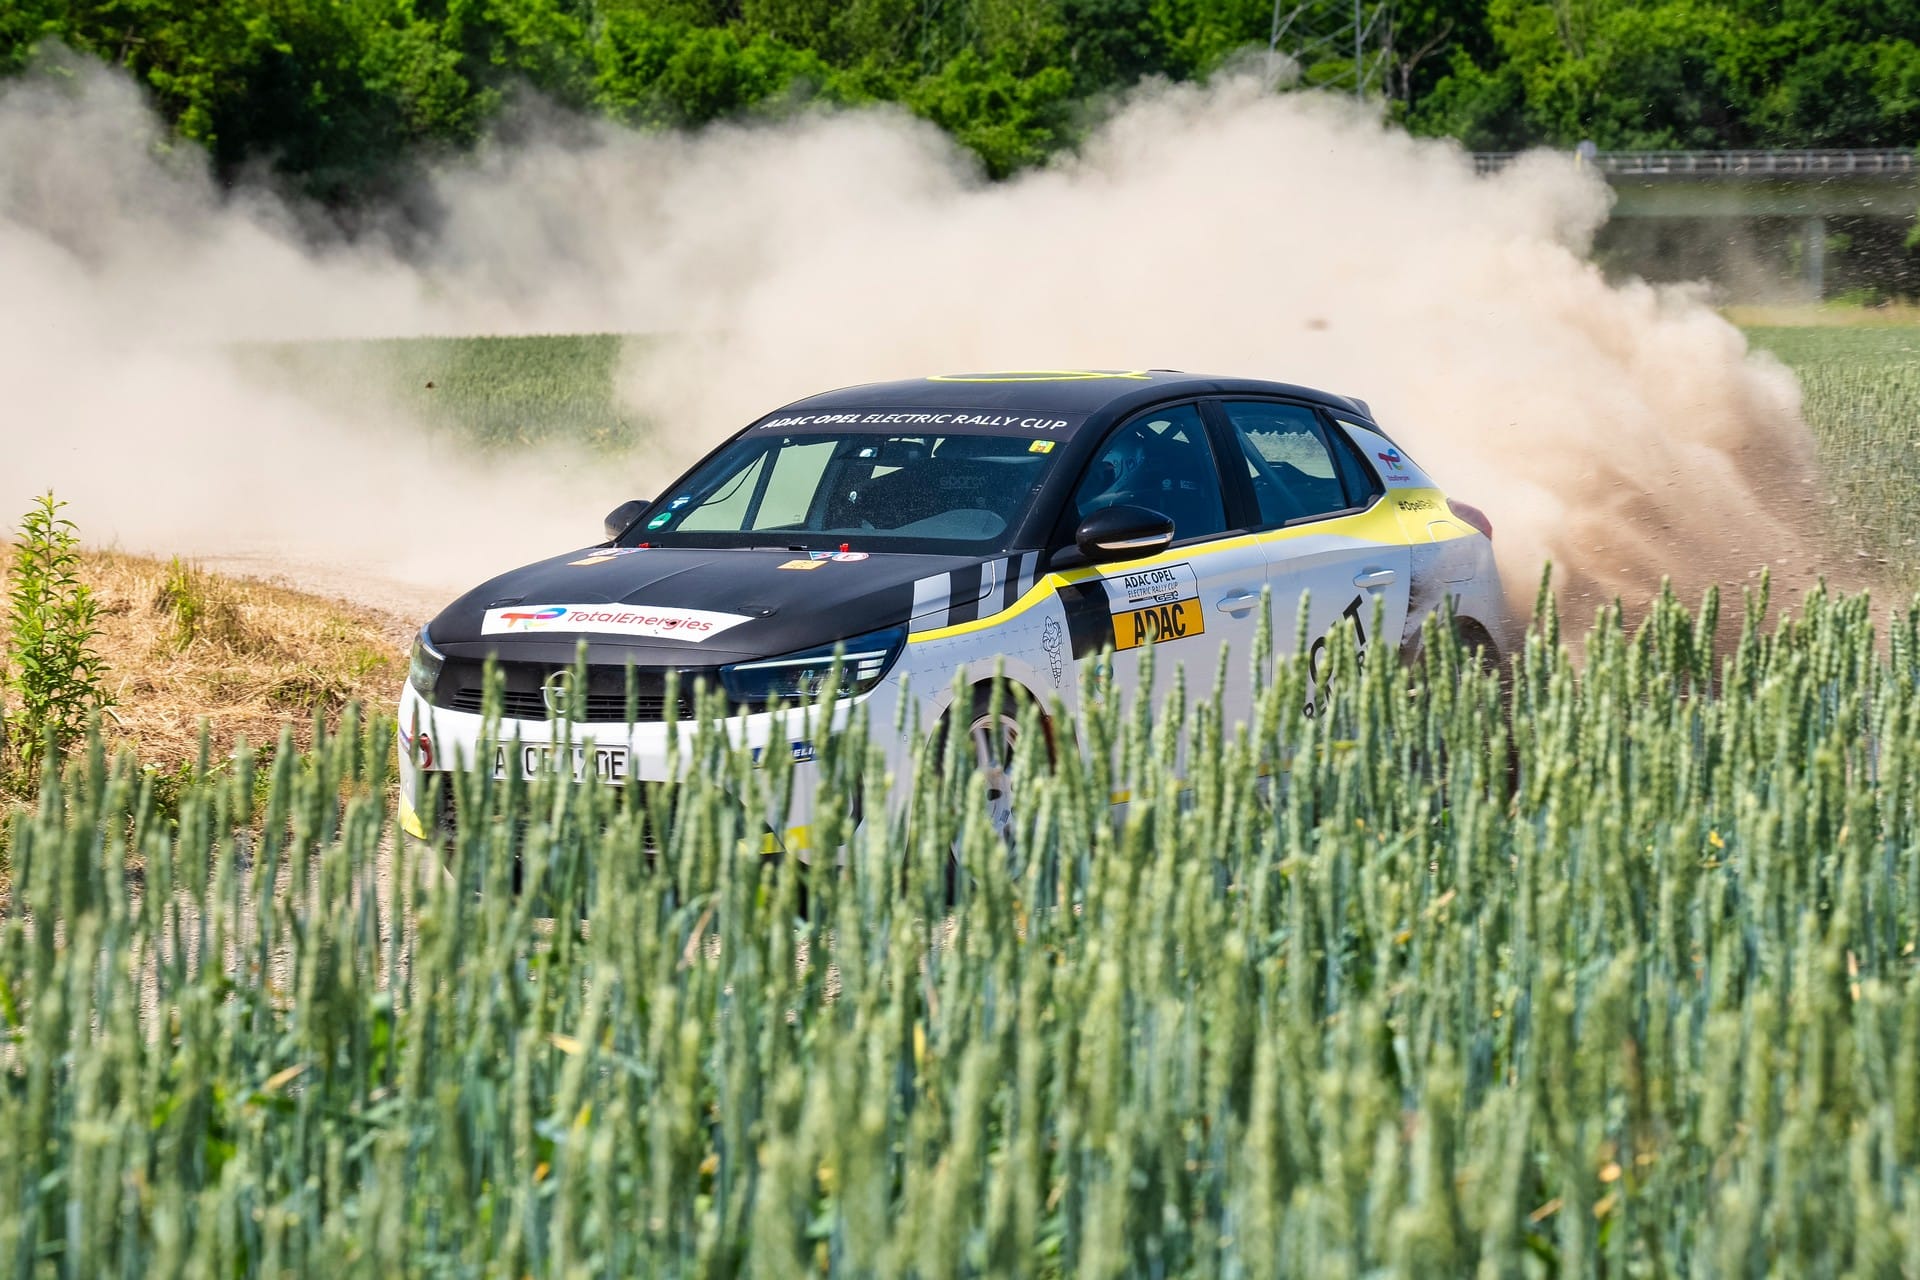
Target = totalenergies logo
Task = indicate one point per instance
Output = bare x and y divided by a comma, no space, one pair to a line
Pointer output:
1392,458
537,616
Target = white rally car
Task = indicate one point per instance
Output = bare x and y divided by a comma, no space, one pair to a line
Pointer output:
955,523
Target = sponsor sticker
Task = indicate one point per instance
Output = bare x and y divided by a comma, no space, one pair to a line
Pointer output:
1052,639
803,564
605,554
692,625
838,557
1161,603
1040,446
802,752
1393,468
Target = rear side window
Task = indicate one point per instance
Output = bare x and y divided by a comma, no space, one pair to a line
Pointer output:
1296,471
1362,484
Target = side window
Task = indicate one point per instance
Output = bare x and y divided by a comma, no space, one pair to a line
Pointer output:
1290,462
1362,483
1161,461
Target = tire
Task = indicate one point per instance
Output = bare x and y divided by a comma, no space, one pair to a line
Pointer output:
1492,662
1474,638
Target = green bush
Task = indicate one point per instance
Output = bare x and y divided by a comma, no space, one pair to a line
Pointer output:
53,674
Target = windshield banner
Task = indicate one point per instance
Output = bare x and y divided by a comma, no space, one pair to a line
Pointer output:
932,421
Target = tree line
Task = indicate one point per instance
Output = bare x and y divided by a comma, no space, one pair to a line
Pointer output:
340,97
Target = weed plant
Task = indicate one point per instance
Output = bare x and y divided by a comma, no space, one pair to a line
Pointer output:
54,676
1628,987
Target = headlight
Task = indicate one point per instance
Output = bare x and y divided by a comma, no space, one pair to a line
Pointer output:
801,677
423,668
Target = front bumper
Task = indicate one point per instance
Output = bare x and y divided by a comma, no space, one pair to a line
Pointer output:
436,740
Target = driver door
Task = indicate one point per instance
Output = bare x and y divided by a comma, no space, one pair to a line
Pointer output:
1192,601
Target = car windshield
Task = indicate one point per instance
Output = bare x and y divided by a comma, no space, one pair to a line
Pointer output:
937,494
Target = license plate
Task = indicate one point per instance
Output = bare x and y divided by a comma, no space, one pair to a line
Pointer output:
579,762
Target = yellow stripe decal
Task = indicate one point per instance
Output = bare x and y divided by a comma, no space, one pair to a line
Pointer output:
1425,511
1379,523
1044,375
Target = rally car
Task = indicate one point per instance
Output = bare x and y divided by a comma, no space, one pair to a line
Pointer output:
960,523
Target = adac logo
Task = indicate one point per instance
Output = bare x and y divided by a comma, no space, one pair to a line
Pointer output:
538,615
1392,458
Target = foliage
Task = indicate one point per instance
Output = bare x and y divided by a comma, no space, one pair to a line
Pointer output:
1629,988
1653,74
53,674
344,99
649,71
1007,119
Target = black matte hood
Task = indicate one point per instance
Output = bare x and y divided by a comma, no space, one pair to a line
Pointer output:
782,600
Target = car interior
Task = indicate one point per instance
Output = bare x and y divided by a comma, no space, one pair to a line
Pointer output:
953,487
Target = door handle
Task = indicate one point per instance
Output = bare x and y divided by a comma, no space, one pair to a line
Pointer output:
1374,578
1239,602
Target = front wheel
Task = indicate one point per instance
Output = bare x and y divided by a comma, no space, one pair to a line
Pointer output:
991,737
994,737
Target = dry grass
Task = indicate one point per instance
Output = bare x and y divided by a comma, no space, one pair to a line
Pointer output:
1826,315
183,645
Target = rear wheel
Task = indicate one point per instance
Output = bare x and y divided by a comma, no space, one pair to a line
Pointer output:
1474,639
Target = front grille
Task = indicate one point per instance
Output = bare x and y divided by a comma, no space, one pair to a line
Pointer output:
461,688
600,708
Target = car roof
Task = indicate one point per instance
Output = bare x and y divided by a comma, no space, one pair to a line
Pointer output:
1094,395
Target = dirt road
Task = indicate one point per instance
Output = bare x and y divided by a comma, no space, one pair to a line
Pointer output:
396,607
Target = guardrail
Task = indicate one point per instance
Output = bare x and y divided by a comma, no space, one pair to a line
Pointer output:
1884,162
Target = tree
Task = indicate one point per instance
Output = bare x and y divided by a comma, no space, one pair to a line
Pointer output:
23,25
666,72
1007,119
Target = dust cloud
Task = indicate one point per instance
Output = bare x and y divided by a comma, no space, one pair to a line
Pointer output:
1624,432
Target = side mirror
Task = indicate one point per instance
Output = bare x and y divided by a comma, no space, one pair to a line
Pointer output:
621,518
1122,533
